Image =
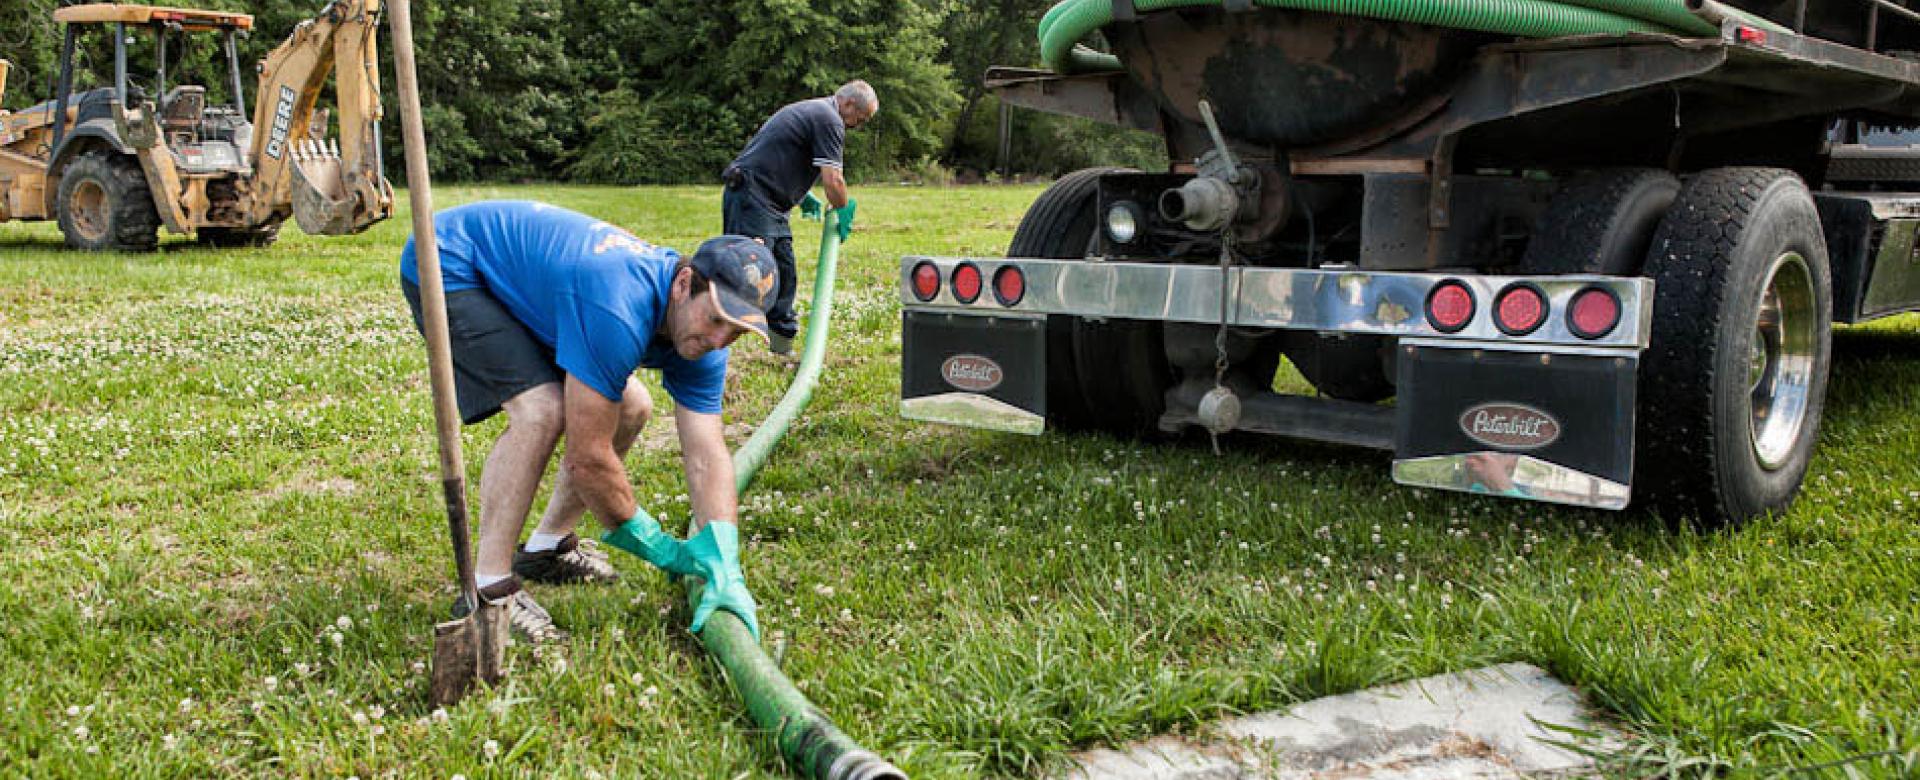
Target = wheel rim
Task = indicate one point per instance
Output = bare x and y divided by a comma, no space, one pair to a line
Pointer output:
1780,364
89,209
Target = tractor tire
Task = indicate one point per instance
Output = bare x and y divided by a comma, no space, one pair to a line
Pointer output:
1109,376
1601,223
223,238
105,205
1732,387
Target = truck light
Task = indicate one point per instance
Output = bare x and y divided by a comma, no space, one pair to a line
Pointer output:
1123,222
1450,306
966,283
1009,285
1519,309
1594,313
926,281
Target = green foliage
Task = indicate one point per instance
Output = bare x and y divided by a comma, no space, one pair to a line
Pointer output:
611,91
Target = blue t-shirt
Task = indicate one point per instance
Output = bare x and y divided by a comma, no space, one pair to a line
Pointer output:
784,156
590,290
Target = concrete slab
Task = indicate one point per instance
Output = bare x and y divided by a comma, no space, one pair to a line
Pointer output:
1484,723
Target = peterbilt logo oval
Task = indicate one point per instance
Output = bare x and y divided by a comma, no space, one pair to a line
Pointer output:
972,372
1510,426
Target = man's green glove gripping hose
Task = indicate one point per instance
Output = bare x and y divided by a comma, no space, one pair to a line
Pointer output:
845,225
712,555
716,556
810,207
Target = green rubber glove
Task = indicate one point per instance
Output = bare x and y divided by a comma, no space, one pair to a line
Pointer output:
845,225
641,536
810,207
716,555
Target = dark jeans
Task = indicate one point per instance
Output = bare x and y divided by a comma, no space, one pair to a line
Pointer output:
744,213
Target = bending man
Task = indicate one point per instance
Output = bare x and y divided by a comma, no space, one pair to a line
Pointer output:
550,312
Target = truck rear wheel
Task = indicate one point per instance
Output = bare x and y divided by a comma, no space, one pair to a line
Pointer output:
1601,222
105,205
1733,383
1110,376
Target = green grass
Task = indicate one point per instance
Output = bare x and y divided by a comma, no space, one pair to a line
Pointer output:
222,549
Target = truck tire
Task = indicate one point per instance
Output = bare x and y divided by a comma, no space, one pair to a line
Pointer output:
1732,386
105,205
222,238
1110,376
1601,222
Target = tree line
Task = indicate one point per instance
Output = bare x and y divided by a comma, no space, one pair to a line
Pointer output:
661,91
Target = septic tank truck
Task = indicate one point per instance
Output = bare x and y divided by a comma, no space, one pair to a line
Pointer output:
1590,249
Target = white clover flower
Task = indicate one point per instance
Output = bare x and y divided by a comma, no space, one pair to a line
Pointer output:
419,667
186,705
377,712
73,710
491,748
81,731
169,741
359,718
337,638
272,682
636,678
439,715
343,622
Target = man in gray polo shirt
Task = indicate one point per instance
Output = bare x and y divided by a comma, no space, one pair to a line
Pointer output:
800,143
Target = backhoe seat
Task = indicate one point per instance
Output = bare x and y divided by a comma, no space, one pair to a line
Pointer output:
182,108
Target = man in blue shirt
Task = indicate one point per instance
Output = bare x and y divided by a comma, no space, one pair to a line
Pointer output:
800,143
550,312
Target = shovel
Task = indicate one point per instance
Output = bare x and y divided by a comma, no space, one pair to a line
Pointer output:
474,647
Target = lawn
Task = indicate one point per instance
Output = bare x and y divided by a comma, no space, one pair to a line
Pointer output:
222,550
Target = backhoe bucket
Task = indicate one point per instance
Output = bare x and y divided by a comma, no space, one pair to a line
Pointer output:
323,204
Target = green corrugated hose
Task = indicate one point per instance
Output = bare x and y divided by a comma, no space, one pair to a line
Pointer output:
806,738
1067,22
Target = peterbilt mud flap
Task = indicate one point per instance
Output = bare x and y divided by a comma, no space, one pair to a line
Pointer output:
979,372
1546,426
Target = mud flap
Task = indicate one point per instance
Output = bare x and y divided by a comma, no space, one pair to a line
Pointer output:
1544,426
979,372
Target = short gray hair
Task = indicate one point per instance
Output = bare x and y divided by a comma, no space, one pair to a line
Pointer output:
860,93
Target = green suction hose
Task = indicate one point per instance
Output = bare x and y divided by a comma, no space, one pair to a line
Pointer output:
806,738
1071,20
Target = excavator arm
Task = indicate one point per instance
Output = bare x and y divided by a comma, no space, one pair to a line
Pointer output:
332,187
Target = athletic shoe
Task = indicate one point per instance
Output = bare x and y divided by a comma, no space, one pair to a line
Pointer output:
573,560
525,616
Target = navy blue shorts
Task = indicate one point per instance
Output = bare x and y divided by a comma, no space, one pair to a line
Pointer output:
494,356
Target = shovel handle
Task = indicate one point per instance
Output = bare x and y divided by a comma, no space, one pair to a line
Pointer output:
433,296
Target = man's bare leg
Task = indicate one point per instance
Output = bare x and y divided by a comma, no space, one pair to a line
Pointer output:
565,508
511,477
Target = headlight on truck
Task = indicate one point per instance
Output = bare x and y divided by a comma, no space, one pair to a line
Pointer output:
1123,222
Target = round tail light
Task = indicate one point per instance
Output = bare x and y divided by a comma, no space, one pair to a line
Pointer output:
926,281
1519,309
1594,313
966,283
1449,306
1009,285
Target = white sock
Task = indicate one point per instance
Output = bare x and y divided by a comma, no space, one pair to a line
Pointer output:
539,542
483,580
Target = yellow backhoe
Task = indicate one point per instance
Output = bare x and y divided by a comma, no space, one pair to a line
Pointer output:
115,164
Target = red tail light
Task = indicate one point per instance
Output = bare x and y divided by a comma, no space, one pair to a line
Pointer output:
966,283
1009,285
1449,306
1519,309
926,281
1594,313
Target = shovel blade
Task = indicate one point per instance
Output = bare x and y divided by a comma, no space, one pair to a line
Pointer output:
467,650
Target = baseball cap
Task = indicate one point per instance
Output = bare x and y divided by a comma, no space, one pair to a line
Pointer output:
743,278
